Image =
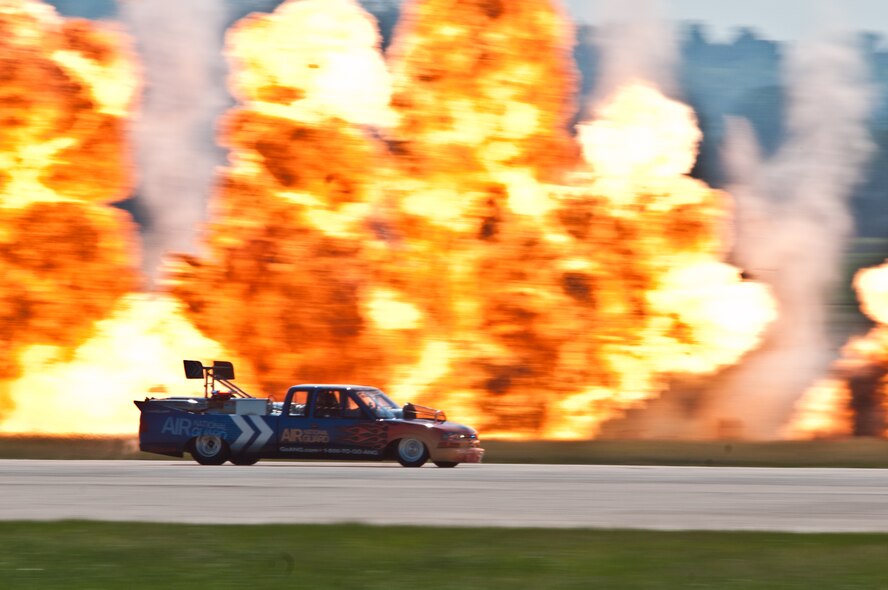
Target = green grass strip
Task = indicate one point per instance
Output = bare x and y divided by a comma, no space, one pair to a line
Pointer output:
88,555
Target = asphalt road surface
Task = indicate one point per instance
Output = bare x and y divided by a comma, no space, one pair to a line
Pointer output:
665,498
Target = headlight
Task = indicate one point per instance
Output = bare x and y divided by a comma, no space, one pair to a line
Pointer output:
456,436
458,440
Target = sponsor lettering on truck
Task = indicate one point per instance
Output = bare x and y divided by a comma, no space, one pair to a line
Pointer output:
314,421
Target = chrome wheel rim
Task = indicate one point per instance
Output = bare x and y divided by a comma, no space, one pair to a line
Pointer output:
208,446
411,449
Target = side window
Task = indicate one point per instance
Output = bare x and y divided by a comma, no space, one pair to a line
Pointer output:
327,404
352,409
299,403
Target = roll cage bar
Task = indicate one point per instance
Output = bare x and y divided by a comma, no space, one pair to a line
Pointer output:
220,371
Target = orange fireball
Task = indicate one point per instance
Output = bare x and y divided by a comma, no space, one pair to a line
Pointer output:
457,246
853,399
71,324
65,257
429,225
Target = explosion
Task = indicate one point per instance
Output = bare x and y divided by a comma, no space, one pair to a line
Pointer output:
289,244
77,343
136,350
66,257
427,225
853,399
453,244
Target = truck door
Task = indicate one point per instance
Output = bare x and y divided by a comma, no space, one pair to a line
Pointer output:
353,432
298,435
328,422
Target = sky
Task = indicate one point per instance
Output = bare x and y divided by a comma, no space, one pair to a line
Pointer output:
780,20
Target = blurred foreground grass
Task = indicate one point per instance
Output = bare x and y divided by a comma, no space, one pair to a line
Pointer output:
75,555
855,452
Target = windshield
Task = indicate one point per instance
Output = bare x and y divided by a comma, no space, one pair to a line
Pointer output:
379,404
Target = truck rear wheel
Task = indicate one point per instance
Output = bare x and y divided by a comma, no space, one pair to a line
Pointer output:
412,452
209,449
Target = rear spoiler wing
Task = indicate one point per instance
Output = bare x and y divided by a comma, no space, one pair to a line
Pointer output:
221,371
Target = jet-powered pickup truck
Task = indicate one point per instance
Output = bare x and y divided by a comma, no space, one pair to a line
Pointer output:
314,421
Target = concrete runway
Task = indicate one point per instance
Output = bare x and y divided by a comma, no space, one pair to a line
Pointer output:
665,498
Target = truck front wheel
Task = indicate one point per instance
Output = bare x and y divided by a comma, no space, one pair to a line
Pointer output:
412,453
209,449
244,459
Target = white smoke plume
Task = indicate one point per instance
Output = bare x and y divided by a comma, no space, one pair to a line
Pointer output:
637,44
793,224
180,44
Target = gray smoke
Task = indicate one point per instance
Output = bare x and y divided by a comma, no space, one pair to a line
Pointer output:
180,44
793,223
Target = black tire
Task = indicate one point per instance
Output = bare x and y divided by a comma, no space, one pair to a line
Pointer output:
446,464
209,449
244,459
412,452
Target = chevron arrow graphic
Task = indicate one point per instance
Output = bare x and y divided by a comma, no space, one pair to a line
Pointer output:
265,432
246,434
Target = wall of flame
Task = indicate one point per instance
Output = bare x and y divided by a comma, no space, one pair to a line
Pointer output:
426,223
455,244
853,398
65,257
